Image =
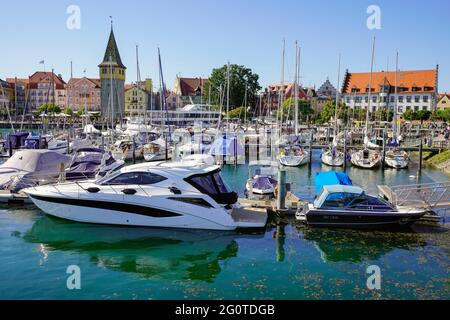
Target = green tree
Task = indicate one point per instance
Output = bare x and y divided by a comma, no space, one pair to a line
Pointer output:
305,110
68,111
49,108
441,115
423,115
383,114
408,115
328,112
240,78
237,113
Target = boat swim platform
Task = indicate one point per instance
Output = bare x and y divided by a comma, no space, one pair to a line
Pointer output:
248,217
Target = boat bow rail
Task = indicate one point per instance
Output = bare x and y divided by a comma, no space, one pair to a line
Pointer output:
426,195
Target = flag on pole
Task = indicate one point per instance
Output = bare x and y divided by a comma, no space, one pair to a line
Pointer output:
42,62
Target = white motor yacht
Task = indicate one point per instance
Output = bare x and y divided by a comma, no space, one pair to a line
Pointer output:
172,195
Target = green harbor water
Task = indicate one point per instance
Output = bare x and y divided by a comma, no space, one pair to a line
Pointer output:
286,261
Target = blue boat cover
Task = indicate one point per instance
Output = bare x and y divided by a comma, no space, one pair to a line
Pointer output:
331,178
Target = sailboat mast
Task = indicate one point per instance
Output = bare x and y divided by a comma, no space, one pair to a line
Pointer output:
111,98
370,89
228,96
336,106
394,118
296,105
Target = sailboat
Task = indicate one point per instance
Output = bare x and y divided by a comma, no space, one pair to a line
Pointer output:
293,154
333,157
396,158
367,158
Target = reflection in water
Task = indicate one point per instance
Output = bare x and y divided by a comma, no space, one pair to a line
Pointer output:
163,253
359,246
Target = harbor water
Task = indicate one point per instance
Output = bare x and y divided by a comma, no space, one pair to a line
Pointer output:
285,261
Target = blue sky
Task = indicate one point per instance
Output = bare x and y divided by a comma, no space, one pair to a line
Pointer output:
196,36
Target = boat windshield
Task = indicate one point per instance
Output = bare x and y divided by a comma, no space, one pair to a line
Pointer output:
210,183
340,199
354,201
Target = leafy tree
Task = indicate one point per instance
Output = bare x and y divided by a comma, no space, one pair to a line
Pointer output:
423,115
68,111
49,108
441,115
408,115
328,112
237,113
304,109
240,77
383,114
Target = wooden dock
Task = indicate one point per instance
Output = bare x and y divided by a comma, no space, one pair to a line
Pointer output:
292,203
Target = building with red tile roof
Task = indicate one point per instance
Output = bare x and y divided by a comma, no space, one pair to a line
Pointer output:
46,87
416,90
84,93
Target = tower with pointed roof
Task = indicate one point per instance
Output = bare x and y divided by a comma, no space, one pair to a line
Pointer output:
112,73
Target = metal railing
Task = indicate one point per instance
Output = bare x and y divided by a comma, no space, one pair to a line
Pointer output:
427,195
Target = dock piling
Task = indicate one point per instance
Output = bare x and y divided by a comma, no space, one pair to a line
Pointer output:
281,196
345,150
134,150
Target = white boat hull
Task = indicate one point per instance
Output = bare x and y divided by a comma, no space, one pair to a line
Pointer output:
116,217
336,161
397,162
294,161
372,161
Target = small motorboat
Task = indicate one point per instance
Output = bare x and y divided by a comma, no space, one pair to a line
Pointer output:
366,158
123,150
262,180
27,168
350,207
157,194
294,156
156,150
88,163
397,159
14,141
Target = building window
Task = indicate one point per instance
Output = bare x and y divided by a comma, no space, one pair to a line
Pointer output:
374,99
392,98
408,99
400,99
416,108
424,107
416,99
425,98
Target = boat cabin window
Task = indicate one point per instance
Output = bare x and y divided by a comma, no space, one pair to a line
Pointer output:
210,183
340,199
142,178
